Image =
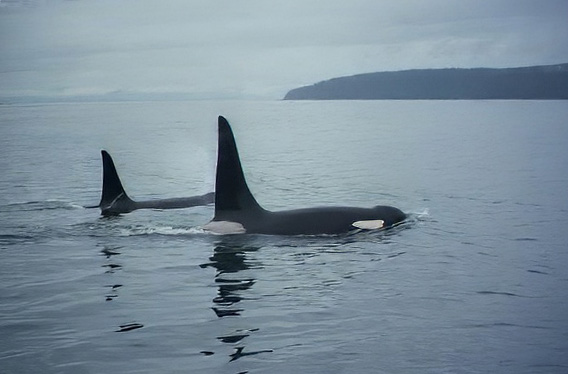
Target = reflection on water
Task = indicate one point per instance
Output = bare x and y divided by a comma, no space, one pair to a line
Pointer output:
129,327
239,353
230,260
110,253
114,294
111,265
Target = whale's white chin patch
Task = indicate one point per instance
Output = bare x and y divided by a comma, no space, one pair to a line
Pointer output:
224,228
369,225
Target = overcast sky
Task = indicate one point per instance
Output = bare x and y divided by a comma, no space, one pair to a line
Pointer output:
260,48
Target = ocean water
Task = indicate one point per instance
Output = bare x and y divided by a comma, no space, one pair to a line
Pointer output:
475,281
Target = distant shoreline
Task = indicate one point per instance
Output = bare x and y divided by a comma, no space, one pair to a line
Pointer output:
546,82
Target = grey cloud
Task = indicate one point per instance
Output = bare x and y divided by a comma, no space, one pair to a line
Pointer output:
256,48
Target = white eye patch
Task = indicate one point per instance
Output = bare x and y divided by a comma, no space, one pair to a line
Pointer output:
369,225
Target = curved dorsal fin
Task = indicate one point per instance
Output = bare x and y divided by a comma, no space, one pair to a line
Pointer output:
231,190
113,191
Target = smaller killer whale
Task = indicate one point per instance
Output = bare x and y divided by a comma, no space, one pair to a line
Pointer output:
238,212
114,199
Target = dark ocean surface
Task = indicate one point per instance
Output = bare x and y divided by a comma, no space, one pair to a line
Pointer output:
476,281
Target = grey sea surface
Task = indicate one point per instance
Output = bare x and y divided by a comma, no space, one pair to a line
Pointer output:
475,281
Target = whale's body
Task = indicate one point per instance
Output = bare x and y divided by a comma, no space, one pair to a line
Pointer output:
237,211
114,199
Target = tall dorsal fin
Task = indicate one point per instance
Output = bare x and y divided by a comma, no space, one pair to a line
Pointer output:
113,191
231,190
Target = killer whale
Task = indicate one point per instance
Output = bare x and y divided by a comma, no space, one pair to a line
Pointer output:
238,212
114,199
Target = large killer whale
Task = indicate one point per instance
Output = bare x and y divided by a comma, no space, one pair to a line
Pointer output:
238,212
114,199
